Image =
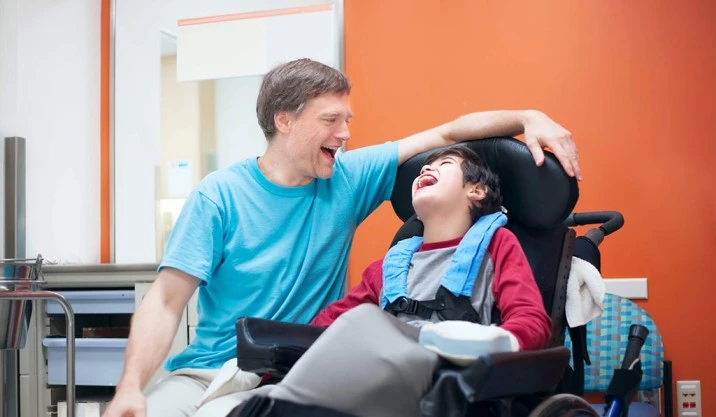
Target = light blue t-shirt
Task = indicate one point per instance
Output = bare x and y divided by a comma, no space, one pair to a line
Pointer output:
268,251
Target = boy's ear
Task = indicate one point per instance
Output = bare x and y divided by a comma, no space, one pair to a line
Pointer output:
476,192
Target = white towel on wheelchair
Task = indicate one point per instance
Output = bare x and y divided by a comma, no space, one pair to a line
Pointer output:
585,293
229,380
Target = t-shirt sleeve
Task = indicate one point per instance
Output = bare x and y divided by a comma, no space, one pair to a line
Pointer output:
515,290
196,241
371,173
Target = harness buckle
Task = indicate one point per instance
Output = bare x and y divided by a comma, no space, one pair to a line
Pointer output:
407,305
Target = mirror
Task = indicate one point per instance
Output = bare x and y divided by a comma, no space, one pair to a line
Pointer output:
186,79
204,125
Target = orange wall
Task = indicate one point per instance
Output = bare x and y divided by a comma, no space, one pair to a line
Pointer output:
633,81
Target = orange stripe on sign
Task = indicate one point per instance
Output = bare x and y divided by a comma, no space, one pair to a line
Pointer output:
256,14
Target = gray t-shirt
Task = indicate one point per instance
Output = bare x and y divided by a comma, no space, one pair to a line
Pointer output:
427,268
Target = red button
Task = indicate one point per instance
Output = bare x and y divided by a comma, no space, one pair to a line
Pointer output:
685,405
693,405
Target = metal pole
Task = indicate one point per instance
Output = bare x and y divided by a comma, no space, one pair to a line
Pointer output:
14,197
3,400
14,248
69,330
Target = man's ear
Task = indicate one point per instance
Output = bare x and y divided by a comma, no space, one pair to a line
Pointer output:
283,121
476,193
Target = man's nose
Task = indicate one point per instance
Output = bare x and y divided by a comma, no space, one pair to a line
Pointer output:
343,133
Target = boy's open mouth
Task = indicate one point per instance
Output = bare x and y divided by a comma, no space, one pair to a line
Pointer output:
426,180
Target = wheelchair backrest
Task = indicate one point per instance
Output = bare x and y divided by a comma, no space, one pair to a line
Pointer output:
537,200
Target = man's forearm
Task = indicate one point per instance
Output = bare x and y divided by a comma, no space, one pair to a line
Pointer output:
470,126
153,329
540,132
487,124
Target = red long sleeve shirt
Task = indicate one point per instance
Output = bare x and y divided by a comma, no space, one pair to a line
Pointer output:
513,287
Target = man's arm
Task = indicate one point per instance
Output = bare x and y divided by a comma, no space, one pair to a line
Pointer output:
540,132
154,325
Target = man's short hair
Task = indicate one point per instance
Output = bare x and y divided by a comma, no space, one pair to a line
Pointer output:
287,88
475,171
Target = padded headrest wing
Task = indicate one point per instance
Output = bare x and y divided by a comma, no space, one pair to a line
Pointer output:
537,197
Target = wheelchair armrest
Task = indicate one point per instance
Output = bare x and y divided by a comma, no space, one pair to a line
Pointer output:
496,376
272,347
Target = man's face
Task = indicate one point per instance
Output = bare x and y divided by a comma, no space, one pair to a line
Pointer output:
439,188
316,133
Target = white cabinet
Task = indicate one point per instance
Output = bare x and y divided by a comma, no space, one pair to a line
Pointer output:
111,286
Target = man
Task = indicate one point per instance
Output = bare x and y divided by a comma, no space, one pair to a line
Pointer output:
465,268
270,237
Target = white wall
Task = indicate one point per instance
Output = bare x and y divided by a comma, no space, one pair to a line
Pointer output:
8,91
50,95
238,135
137,131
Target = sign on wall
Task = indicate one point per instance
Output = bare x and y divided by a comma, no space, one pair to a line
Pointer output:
251,43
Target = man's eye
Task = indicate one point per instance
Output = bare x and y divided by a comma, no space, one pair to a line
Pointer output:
331,121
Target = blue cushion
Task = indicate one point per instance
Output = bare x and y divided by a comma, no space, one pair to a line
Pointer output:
607,339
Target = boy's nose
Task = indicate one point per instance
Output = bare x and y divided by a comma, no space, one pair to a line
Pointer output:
425,169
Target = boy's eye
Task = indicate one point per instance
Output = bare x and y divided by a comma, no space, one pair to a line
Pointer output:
445,162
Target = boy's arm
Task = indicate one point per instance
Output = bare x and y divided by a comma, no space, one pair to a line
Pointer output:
367,291
516,293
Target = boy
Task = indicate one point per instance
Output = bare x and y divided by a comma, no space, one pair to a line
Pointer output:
454,190
444,288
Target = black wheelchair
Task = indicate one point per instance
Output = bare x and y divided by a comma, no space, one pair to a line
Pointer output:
539,203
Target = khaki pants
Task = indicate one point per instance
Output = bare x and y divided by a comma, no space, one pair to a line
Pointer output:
179,395
368,364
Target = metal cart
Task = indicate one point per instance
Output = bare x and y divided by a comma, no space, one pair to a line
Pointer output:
21,282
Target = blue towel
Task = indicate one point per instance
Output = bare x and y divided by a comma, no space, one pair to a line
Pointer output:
460,276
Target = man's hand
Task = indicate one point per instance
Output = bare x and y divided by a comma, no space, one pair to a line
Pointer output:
127,403
542,132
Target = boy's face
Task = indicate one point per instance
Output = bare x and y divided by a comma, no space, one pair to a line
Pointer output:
440,188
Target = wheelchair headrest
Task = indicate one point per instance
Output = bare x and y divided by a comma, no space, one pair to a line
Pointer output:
536,197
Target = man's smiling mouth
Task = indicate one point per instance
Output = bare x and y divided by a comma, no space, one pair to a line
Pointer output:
330,151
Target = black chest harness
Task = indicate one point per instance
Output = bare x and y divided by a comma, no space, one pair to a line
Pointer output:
445,305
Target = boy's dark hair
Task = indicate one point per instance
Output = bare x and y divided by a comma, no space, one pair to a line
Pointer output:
476,171
287,88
